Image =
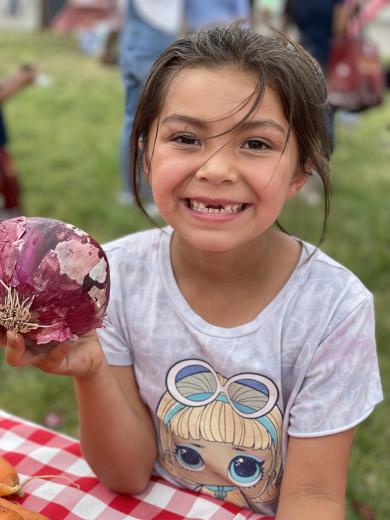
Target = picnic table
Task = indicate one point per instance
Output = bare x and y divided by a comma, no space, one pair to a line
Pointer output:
76,494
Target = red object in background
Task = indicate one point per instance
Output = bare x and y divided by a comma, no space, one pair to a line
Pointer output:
9,184
84,14
355,74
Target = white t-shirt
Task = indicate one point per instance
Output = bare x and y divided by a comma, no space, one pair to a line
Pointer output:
225,400
165,16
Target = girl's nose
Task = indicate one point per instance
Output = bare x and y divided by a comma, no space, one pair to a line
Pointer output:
217,169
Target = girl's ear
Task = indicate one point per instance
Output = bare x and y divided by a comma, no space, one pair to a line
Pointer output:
300,177
297,182
146,167
309,167
145,159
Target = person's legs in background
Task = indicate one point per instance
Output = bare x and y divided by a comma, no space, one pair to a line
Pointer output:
140,45
132,89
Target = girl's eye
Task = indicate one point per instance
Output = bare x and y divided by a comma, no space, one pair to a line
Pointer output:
245,470
186,139
189,458
256,144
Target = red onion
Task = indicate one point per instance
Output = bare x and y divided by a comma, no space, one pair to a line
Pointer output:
54,280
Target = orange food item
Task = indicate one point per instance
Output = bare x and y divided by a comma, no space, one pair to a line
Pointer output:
9,479
22,512
8,514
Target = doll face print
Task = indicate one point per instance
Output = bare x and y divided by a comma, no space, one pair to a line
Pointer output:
221,435
217,179
209,463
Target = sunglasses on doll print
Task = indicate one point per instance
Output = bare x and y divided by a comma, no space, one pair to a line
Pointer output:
195,383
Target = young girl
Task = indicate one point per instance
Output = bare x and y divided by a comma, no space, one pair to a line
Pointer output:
235,359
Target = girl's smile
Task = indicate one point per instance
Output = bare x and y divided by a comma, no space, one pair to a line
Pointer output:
218,178
214,210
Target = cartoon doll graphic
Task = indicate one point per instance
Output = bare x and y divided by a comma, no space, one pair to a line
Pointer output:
221,436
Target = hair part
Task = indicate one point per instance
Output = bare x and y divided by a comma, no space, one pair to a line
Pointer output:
276,61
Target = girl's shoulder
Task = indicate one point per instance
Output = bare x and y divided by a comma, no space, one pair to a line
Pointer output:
323,266
134,261
329,283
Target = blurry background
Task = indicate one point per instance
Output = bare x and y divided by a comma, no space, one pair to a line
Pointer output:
64,136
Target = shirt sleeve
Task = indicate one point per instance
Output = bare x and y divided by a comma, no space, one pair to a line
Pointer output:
115,347
114,336
342,384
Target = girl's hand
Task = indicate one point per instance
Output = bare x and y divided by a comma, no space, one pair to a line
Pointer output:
80,359
26,74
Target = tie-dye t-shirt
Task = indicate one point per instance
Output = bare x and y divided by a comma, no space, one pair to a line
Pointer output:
225,400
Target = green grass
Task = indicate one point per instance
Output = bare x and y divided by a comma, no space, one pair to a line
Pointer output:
65,139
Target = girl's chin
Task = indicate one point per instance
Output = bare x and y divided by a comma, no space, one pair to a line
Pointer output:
212,242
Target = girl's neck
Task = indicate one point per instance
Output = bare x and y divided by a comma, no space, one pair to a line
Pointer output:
252,260
231,288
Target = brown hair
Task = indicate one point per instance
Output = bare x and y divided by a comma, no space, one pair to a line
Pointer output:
276,60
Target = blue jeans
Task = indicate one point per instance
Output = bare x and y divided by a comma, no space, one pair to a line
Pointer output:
140,46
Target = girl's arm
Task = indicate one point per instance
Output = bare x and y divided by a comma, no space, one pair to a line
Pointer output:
116,431
340,18
19,80
315,477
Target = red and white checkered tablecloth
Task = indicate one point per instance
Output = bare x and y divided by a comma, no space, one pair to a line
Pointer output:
35,450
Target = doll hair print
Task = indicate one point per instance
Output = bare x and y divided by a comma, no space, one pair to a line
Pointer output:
276,61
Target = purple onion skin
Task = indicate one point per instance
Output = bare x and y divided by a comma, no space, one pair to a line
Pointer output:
62,268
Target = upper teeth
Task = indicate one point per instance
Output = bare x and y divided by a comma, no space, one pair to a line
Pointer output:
214,208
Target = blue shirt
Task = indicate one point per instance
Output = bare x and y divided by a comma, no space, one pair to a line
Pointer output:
200,13
314,21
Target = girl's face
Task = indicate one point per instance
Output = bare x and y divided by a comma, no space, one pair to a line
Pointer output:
221,191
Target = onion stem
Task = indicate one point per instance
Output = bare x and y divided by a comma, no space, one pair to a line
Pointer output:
15,315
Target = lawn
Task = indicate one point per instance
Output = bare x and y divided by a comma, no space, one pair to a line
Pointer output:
65,138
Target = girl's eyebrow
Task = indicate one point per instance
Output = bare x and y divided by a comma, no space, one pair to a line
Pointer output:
178,118
244,125
262,123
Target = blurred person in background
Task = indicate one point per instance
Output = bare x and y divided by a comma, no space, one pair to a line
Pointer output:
203,13
10,196
318,22
362,12
83,14
149,27
12,8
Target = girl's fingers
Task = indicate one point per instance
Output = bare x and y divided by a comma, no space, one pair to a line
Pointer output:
53,358
15,352
52,361
57,359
